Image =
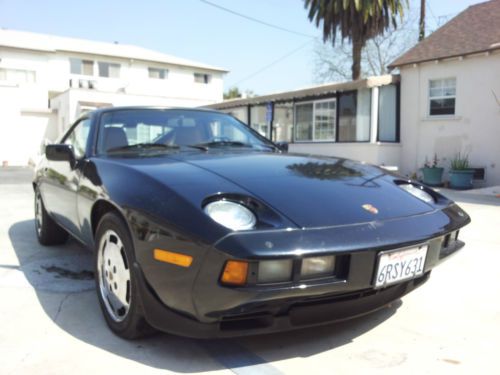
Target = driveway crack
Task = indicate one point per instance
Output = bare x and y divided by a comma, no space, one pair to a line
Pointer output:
59,308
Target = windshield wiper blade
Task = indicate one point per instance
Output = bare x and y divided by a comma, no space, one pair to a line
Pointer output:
214,144
143,146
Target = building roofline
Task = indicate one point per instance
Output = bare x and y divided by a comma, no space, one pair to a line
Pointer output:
308,92
457,37
24,40
493,48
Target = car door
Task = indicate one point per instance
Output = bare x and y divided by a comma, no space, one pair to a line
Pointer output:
63,179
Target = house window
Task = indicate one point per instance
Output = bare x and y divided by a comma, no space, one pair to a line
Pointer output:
324,120
315,121
241,113
259,121
202,78
387,114
82,67
442,95
354,116
109,70
17,75
158,73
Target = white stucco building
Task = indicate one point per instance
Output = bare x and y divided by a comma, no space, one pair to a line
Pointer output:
445,100
356,120
46,82
450,94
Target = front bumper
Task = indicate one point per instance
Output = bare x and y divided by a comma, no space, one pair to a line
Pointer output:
191,302
298,313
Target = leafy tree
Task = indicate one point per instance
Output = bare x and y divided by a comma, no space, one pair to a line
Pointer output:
355,20
334,63
232,93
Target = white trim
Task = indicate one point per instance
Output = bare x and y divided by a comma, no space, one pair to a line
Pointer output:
374,114
429,98
442,118
314,140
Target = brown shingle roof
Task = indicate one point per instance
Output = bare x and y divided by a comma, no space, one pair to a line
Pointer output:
476,29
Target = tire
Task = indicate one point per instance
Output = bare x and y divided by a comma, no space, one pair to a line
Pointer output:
116,279
47,230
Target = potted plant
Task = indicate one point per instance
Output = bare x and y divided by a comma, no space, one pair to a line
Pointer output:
461,174
432,174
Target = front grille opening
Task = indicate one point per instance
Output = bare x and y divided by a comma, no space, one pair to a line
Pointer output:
446,241
449,244
244,323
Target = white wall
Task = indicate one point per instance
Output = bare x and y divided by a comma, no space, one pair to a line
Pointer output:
27,120
374,153
68,104
475,129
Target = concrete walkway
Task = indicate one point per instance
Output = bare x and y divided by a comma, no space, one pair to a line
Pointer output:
51,322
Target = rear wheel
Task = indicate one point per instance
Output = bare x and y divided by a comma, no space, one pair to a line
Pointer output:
48,231
116,279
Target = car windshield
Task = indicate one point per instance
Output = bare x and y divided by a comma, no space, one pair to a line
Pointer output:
164,130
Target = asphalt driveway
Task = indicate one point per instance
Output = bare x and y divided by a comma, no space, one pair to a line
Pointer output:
51,323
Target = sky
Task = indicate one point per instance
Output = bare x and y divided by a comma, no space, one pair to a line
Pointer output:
260,58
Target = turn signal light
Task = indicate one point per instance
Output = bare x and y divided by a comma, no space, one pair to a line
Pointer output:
235,272
174,258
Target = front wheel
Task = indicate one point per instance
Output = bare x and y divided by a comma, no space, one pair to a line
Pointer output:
116,279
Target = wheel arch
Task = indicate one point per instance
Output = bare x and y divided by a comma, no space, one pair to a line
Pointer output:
101,208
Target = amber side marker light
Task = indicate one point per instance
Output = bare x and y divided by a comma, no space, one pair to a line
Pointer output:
235,272
173,258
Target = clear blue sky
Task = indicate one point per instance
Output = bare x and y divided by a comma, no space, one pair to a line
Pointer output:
195,30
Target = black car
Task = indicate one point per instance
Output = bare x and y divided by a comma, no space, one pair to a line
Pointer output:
201,227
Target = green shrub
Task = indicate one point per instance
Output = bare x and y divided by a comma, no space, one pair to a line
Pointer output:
460,162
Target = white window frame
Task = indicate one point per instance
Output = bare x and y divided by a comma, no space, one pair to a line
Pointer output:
329,140
206,81
153,68
429,98
110,64
7,73
94,67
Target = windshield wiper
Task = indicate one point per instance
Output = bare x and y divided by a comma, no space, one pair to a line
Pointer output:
143,146
214,144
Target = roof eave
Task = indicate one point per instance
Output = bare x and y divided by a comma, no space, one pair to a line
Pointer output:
395,64
310,92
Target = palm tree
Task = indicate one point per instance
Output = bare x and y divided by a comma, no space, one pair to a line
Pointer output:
355,20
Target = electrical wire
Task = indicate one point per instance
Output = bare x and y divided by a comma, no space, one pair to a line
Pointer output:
272,63
432,13
256,20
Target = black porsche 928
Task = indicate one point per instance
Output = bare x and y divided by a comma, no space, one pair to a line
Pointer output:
202,227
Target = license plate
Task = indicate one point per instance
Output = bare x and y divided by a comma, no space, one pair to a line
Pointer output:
399,265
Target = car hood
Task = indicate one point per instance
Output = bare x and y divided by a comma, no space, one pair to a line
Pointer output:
313,191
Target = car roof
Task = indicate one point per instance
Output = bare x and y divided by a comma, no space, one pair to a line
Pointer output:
121,108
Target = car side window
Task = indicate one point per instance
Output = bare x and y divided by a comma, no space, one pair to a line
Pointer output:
78,137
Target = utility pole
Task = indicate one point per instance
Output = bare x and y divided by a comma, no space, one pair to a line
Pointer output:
421,26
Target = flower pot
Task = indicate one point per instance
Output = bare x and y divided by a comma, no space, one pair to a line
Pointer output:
432,176
461,178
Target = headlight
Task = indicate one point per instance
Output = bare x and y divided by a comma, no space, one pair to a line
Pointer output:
275,271
317,266
418,192
231,215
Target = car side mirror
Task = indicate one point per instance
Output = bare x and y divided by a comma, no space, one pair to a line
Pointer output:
60,152
283,146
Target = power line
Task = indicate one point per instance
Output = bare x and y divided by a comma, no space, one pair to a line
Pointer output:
272,63
256,20
432,14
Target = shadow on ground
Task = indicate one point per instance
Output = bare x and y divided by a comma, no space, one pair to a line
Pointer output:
62,277
470,197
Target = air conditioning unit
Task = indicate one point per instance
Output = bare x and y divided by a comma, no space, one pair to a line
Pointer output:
75,83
